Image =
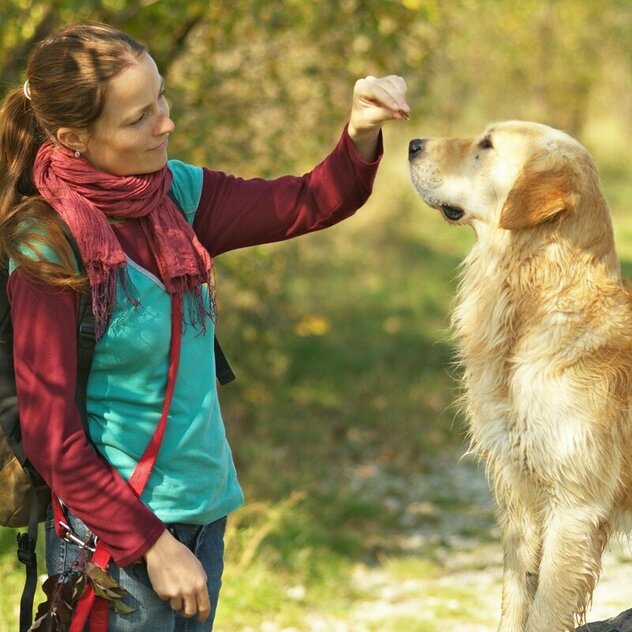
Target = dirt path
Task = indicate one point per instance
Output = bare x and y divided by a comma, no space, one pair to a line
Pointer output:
447,517
467,546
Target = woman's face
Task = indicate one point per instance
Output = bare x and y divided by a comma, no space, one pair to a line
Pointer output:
131,135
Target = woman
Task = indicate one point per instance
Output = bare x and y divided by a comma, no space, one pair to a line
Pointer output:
83,148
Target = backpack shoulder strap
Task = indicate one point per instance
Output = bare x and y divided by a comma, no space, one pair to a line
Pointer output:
223,371
86,340
7,378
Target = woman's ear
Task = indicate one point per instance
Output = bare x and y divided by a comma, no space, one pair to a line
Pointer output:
540,194
75,140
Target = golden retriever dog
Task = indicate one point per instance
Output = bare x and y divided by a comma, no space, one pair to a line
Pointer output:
543,324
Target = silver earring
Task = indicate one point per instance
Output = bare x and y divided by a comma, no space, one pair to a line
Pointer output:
77,154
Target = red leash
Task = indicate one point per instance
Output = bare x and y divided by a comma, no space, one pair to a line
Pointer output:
89,605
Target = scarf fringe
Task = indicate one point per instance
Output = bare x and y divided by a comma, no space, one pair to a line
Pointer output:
104,296
198,306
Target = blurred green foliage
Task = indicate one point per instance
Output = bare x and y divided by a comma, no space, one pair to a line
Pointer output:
339,339
271,81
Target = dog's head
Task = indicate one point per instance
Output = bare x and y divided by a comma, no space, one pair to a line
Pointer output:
513,176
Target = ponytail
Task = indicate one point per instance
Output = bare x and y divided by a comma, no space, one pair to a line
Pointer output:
20,138
25,218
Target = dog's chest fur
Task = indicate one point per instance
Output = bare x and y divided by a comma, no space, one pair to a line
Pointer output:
521,338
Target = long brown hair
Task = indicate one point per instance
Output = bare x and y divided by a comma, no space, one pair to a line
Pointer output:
67,79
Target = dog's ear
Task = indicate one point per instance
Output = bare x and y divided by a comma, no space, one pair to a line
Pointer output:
539,195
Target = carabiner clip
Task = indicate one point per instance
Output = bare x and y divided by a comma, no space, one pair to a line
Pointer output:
71,537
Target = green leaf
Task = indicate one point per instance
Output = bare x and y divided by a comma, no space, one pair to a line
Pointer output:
106,587
104,593
122,608
100,576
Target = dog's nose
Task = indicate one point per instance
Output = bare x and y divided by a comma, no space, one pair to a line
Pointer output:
416,147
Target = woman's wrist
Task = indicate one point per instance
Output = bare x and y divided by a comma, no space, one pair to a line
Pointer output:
365,141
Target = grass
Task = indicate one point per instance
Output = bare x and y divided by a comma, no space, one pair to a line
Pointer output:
343,427
12,582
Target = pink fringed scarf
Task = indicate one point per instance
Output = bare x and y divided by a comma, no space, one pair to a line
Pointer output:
85,197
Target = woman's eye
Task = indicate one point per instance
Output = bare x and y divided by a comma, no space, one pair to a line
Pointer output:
486,143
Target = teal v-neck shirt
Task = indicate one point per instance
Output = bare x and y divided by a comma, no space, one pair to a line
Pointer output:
194,478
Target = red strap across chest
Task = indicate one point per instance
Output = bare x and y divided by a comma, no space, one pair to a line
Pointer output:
89,605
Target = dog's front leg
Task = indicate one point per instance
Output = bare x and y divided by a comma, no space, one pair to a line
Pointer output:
521,558
571,562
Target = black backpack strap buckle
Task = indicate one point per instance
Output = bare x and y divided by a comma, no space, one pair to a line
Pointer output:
26,549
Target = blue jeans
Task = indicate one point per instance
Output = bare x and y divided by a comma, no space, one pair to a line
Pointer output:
151,614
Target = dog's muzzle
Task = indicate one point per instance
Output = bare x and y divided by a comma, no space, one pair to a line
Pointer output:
451,212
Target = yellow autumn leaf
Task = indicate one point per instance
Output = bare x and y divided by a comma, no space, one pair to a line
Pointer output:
412,5
313,325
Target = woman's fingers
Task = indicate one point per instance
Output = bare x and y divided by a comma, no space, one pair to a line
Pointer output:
178,577
386,92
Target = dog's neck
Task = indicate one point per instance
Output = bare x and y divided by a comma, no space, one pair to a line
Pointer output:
515,280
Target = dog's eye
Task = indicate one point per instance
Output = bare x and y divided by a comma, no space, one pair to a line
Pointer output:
486,143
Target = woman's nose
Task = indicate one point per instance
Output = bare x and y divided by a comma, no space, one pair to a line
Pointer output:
166,126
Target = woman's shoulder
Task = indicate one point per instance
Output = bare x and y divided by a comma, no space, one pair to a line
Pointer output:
42,239
186,187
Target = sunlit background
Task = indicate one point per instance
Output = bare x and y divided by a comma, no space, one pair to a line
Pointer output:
361,515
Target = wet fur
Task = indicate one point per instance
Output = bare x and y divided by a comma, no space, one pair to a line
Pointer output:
543,324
